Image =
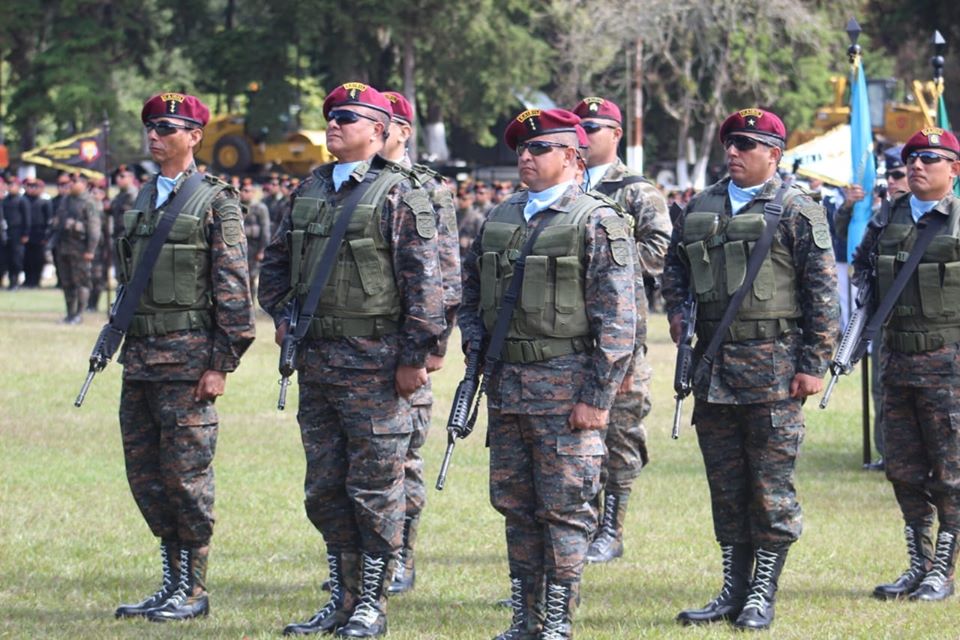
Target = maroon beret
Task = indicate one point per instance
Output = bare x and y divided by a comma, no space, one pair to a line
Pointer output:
402,109
175,105
760,124
931,138
356,93
536,122
594,107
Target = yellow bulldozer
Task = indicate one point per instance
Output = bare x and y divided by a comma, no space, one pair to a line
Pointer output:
229,147
893,122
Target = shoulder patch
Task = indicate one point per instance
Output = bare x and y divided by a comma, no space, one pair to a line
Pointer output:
231,224
619,237
821,236
419,202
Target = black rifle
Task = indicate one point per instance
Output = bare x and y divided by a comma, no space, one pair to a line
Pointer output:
463,413
105,347
852,345
288,353
683,374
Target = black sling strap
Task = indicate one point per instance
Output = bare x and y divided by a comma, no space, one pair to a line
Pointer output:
329,257
772,211
930,229
127,302
498,336
610,188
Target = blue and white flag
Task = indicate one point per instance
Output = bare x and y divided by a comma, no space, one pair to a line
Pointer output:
861,152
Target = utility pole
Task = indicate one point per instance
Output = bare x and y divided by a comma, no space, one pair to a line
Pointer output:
635,132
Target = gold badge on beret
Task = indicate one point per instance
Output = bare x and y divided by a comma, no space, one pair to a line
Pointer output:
354,89
173,100
530,118
593,104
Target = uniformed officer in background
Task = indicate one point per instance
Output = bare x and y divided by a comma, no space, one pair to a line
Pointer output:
748,400
378,320
77,231
626,438
192,324
256,226
921,408
568,347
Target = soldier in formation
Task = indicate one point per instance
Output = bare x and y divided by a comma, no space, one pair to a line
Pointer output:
76,231
256,226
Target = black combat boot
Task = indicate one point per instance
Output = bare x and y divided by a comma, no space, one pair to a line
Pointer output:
171,576
758,610
369,617
405,575
335,613
920,551
737,566
558,610
526,593
938,583
608,545
190,599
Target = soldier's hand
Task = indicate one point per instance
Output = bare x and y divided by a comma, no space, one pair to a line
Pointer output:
584,416
853,193
211,385
434,363
409,379
804,385
676,327
280,333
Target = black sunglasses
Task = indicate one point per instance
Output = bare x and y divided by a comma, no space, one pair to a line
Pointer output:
593,127
165,129
896,175
345,116
539,147
743,143
927,157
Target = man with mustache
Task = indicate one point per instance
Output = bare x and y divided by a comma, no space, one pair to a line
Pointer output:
773,355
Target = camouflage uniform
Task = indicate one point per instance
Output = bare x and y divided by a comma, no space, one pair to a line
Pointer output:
420,404
101,258
469,222
256,226
76,227
169,469
921,343
626,438
544,475
354,429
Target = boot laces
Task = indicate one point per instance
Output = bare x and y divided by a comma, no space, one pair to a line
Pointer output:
336,593
726,590
553,623
401,568
759,592
937,577
366,612
167,585
916,567
183,585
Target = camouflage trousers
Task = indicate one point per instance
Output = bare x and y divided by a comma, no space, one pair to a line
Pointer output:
419,410
355,436
253,268
750,452
626,437
168,444
923,452
543,479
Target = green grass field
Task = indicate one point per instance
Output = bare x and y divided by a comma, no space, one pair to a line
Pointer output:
73,545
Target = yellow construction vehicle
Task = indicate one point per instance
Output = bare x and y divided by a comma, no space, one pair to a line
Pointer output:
893,122
228,146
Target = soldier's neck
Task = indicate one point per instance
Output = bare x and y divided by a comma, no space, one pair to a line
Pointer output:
175,166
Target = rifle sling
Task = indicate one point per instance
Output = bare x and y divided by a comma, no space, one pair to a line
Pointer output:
930,229
120,321
499,335
772,211
328,259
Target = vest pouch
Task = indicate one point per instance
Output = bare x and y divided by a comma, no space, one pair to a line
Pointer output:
886,272
534,287
368,266
700,271
183,227
557,240
746,226
939,289
497,236
130,219
295,242
893,236
943,249
571,316
700,225
162,281
185,270
359,219
304,211
488,280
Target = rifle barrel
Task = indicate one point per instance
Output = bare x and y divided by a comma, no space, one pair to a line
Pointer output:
85,388
826,394
282,400
445,466
677,415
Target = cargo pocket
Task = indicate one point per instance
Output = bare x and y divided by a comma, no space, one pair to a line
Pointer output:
580,456
204,415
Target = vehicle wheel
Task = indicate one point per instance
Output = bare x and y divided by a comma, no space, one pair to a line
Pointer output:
232,154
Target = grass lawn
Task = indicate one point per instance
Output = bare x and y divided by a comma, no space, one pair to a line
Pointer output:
73,544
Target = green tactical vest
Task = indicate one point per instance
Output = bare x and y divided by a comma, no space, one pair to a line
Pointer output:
179,295
717,248
550,318
927,313
361,296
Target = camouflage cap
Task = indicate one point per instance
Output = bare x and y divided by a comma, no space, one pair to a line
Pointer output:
401,107
595,107
931,138
356,93
175,105
763,125
537,122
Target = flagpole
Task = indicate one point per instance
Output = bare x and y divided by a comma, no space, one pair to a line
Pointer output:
108,240
937,61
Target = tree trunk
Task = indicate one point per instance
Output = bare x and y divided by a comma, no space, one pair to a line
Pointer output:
435,136
410,88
